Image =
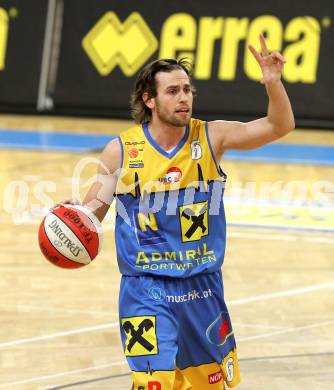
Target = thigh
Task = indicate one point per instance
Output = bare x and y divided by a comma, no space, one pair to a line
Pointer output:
149,333
206,346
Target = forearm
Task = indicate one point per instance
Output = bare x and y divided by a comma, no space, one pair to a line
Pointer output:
100,196
280,114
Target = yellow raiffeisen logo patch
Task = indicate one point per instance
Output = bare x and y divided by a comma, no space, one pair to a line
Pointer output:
194,221
141,337
110,43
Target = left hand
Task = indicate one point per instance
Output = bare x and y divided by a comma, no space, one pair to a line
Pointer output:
271,64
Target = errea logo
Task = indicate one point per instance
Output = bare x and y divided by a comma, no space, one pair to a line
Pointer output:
110,43
130,44
5,17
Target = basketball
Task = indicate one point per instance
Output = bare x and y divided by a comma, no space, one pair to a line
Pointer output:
70,236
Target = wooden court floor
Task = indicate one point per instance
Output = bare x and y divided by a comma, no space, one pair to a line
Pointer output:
59,328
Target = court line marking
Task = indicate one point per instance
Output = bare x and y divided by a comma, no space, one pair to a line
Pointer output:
59,334
281,237
89,381
123,362
288,330
78,371
279,294
256,326
25,308
292,356
108,325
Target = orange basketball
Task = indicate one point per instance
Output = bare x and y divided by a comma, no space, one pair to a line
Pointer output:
70,236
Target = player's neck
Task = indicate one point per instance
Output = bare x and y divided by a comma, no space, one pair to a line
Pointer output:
165,135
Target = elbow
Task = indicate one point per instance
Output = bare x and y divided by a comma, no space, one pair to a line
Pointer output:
291,126
285,127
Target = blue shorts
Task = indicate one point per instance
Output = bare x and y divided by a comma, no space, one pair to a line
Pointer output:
177,333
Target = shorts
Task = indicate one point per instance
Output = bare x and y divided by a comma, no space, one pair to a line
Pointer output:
177,333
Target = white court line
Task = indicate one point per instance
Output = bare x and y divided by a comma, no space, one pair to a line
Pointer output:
25,308
279,294
122,362
58,334
257,326
288,330
281,237
110,325
265,236
79,371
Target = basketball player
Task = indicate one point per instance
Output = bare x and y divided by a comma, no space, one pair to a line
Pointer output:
170,228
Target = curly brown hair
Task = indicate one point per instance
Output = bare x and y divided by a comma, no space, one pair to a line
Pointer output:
146,83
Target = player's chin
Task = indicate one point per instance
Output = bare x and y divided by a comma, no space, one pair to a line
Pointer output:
182,120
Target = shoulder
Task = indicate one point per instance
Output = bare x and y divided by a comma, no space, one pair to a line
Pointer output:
194,122
134,131
220,131
111,156
221,125
214,126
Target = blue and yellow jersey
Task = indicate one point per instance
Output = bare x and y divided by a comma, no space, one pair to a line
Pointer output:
170,213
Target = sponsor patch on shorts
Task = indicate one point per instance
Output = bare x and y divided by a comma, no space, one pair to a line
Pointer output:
215,377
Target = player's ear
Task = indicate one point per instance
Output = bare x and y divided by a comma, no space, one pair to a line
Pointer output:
148,100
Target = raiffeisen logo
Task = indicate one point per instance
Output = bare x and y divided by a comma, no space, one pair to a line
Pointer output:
173,175
207,40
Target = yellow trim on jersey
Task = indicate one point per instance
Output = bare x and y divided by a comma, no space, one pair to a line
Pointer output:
146,170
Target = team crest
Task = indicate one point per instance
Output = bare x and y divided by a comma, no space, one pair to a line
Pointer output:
196,150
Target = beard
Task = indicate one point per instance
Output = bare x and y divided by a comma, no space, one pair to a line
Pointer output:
171,118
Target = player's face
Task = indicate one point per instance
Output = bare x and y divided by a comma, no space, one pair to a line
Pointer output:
174,100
